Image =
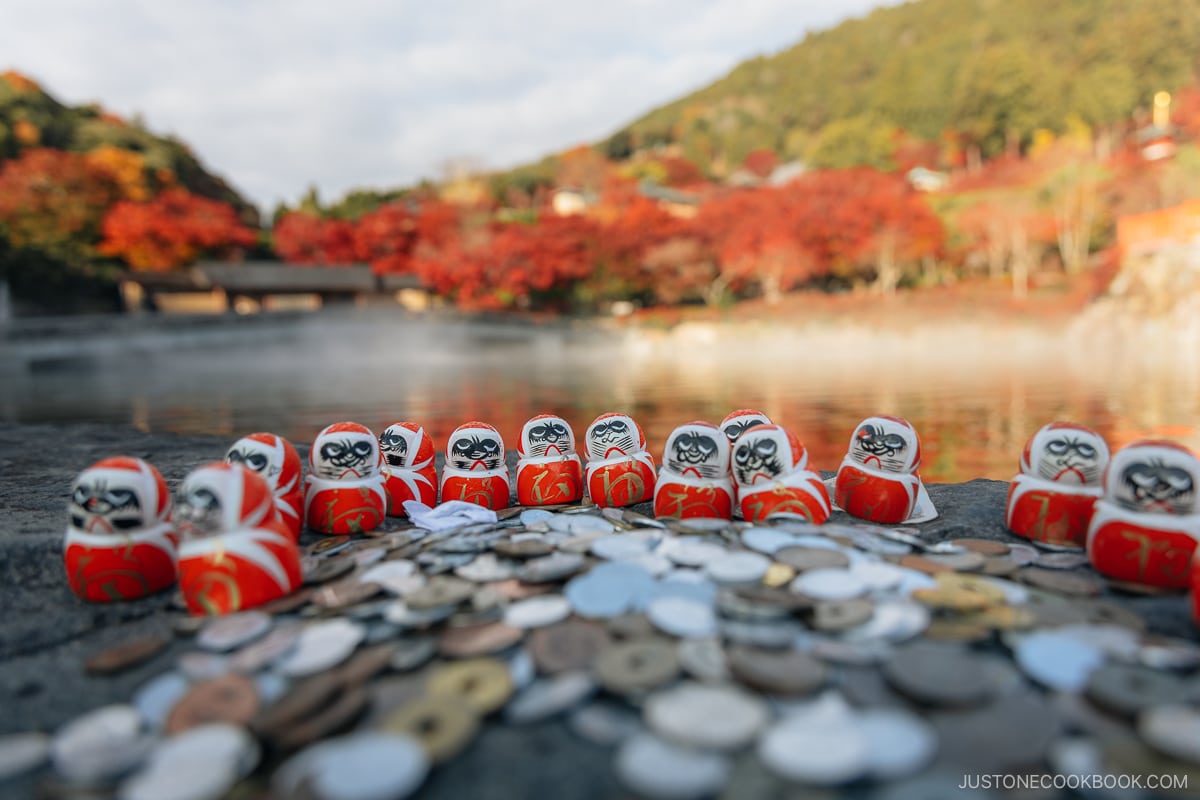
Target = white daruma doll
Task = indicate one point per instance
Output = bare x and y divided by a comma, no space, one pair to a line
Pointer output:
475,469
1146,525
236,553
695,480
549,471
878,478
1053,497
770,467
344,491
738,422
619,470
276,462
408,466
120,542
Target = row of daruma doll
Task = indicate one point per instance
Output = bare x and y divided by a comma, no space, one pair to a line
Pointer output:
231,539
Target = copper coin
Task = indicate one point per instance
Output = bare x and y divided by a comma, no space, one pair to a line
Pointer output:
1070,583
442,724
231,698
631,626
568,645
636,666
802,559
484,684
985,547
126,654
779,598
999,566
440,591
343,594
478,640
514,589
957,630
366,664
1103,612
968,561
331,719
328,569
303,700
523,548
839,615
784,672
922,564
778,575
1140,589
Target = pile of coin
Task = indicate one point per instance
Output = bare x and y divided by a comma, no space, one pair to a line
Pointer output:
709,657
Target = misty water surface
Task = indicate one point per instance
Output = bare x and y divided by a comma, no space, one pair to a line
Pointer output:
974,396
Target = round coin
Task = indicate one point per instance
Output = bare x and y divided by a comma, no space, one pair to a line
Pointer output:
361,766
803,559
707,717
546,697
786,672
470,641
828,584
1173,730
22,752
825,755
657,769
441,723
483,684
636,666
127,654
684,617
567,646
938,674
230,698
537,612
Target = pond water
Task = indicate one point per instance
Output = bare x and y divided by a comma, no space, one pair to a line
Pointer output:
974,394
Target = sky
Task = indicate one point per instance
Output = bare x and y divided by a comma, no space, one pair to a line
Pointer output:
280,95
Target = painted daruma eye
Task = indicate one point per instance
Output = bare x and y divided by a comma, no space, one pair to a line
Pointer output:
539,432
490,446
765,447
331,450
362,449
742,455
1086,451
894,441
462,446
558,430
1056,447
1178,479
618,427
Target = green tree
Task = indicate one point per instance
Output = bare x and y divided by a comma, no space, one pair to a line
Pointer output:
862,141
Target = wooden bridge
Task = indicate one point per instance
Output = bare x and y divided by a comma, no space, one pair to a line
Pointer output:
232,284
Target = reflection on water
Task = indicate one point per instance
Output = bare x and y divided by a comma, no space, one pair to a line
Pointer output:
974,397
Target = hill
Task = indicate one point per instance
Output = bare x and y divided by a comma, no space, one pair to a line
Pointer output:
977,76
31,118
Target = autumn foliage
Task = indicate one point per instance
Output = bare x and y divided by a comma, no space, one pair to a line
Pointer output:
171,230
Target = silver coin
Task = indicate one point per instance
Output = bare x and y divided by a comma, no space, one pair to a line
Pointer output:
22,752
815,748
682,617
580,524
411,653
550,568
1057,661
101,744
610,590
398,577
267,650
661,770
538,611
192,780
1173,730
360,766
198,666
155,698
201,763
1023,554
878,576
704,660
767,540
546,697
531,516
486,569
233,630
737,568
321,646
828,584
400,613
898,742
619,547
892,621
705,716
690,552
522,668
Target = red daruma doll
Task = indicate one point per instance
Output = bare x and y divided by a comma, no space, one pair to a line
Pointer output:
770,467
738,422
1053,497
878,478
276,462
236,552
344,490
408,469
619,470
695,480
548,470
475,470
120,542
1146,525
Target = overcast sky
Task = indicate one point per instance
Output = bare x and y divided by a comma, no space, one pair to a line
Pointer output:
277,95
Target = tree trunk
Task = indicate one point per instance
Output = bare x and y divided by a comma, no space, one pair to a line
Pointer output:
1020,262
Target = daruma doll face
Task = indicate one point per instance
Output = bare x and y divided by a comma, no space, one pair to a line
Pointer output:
345,451
547,435
475,446
116,495
886,444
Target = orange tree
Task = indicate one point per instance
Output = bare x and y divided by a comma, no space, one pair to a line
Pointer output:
171,230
